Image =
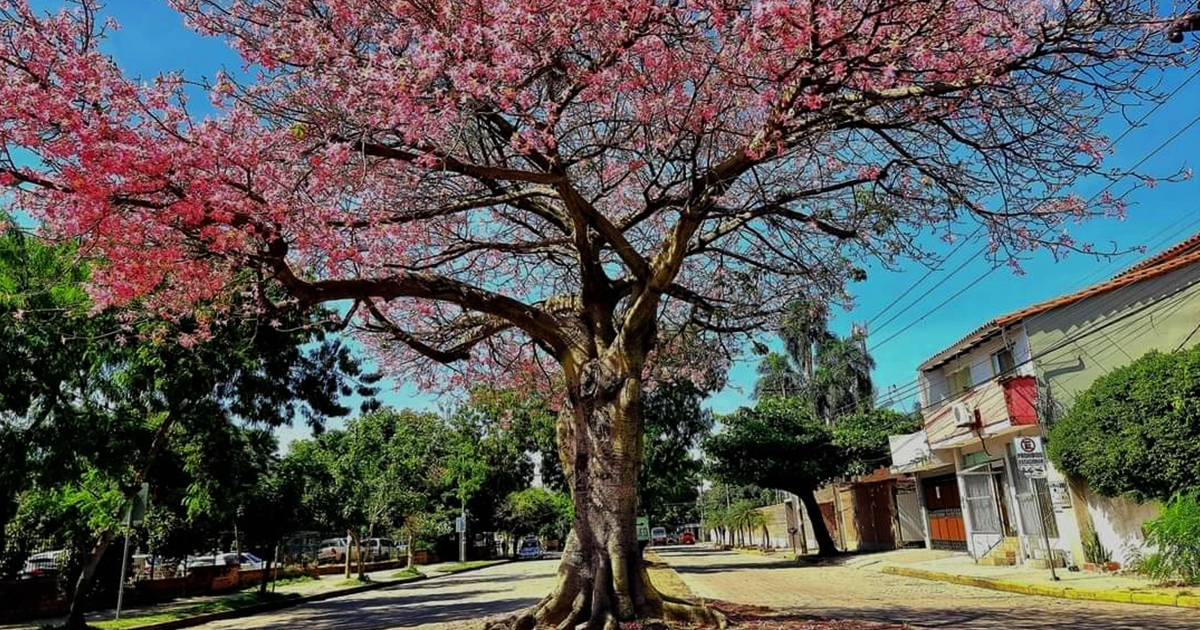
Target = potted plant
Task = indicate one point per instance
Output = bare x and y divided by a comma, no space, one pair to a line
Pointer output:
1096,557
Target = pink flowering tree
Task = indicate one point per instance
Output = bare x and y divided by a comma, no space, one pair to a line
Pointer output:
500,188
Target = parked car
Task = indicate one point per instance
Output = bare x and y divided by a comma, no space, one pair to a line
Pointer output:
658,536
247,561
530,549
44,564
331,550
686,538
378,548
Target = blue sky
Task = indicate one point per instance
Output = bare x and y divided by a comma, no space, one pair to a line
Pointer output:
152,39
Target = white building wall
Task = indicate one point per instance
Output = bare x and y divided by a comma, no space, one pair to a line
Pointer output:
1118,524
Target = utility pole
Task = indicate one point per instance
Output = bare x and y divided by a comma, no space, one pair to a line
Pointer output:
462,532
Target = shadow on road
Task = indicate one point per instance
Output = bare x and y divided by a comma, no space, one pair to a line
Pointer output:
382,613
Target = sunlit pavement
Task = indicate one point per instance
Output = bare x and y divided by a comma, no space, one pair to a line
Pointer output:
455,601
837,591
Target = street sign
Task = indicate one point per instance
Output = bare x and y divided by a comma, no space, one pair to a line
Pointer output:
459,525
643,528
1031,458
1059,495
137,509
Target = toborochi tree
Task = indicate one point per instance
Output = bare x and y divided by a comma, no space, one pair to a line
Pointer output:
541,188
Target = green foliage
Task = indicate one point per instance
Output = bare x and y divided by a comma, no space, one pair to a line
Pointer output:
537,511
776,444
379,474
862,437
1176,534
86,396
675,422
1136,430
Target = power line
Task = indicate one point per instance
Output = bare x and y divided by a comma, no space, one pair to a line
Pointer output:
911,388
1134,125
992,270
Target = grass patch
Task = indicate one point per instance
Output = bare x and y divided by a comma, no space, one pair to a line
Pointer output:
467,566
224,604
407,574
300,579
348,582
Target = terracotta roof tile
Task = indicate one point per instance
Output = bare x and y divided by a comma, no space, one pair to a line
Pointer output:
1181,255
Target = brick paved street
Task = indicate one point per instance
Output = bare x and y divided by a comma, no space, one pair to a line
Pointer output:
834,591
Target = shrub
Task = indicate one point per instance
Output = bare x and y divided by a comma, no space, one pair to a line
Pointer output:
1176,533
1136,430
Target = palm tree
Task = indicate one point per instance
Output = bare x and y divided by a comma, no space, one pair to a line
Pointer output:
842,383
832,373
805,326
777,378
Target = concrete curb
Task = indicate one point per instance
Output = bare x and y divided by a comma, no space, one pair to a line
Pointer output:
250,611
1062,592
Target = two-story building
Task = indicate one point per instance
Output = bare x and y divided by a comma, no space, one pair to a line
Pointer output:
1009,378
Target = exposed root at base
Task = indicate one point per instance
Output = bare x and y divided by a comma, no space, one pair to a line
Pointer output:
675,612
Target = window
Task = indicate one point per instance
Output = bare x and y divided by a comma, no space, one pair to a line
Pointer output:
960,381
1004,362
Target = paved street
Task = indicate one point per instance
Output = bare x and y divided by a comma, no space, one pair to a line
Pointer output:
456,601
833,591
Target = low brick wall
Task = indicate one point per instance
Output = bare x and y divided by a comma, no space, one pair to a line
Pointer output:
334,569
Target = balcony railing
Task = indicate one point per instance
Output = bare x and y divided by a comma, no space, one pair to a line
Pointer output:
992,408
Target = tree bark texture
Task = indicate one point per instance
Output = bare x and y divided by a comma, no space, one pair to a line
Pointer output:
602,579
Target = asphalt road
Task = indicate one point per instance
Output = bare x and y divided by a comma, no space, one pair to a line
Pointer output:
455,601
842,592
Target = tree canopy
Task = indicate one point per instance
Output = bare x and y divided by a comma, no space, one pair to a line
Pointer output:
1136,430
506,186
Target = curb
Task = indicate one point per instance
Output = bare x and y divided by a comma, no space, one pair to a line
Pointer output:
468,569
1061,592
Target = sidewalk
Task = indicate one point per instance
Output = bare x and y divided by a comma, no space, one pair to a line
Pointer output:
959,568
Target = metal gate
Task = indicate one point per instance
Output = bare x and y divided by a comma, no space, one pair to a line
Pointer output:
942,502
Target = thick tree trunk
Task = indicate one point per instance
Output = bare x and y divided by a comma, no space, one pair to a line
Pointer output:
825,544
602,579
411,564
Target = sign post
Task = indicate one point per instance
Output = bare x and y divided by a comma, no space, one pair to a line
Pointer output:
1031,462
135,513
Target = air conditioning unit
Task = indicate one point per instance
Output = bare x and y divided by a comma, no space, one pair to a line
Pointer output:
964,418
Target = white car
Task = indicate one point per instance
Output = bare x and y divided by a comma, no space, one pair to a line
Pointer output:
331,550
378,548
247,561
43,564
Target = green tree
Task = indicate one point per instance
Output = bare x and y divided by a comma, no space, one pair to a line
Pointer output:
779,444
537,511
669,481
96,402
862,437
1136,430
